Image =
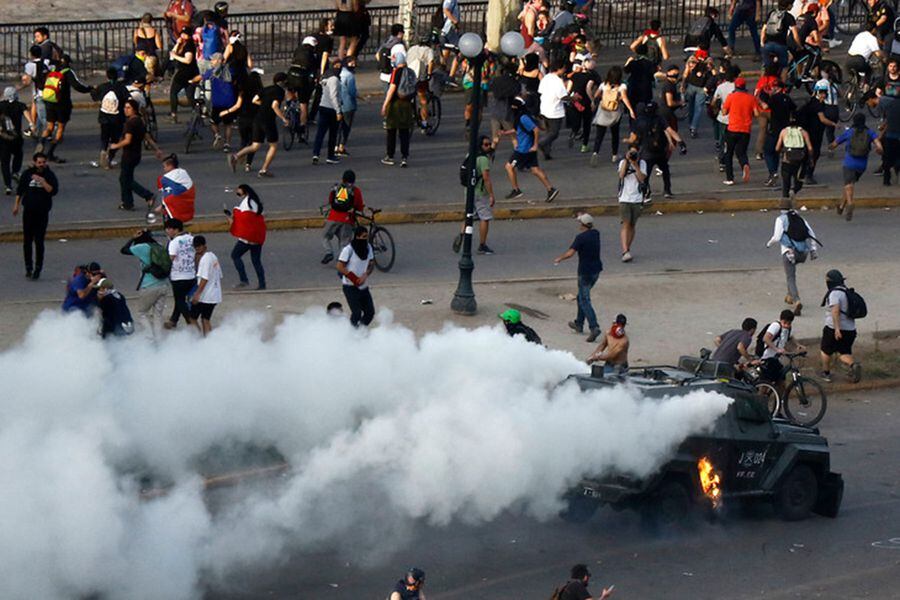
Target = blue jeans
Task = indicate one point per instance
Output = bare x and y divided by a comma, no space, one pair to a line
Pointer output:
774,50
695,99
585,308
740,18
769,153
326,122
237,253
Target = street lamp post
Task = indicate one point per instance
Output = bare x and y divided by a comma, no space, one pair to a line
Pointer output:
471,46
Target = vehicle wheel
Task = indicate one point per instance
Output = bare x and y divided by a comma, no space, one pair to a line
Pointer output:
290,133
805,402
579,509
797,494
769,395
434,115
383,246
668,507
850,16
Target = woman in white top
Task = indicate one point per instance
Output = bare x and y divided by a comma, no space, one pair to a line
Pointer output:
612,100
355,264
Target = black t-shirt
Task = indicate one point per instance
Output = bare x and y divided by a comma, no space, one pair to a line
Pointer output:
34,196
699,74
787,21
651,134
325,44
781,107
809,116
575,590
269,95
405,594
882,9
668,87
13,110
190,70
640,80
587,245
131,153
580,83
304,57
248,110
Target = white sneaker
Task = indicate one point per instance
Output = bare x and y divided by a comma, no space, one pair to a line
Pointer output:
626,257
728,182
658,172
833,43
615,159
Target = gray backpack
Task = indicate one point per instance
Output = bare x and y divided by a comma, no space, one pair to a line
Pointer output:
406,85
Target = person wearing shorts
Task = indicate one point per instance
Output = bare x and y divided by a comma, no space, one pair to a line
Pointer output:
208,292
265,125
854,166
484,198
839,331
632,177
524,156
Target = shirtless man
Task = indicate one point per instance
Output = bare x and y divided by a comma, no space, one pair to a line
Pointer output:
613,348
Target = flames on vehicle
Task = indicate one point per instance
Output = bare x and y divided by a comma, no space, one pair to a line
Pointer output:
710,481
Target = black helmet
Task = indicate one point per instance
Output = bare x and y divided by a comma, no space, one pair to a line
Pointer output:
221,9
416,574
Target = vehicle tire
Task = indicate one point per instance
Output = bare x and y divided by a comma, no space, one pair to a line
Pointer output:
797,494
579,509
383,246
769,394
805,402
668,507
434,115
850,15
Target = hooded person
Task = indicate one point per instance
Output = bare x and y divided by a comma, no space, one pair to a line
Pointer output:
512,320
839,331
355,263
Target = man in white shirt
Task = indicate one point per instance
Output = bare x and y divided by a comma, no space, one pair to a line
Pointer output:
793,251
355,263
182,275
552,91
632,174
721,125
209,286
864,45
420,59
775,340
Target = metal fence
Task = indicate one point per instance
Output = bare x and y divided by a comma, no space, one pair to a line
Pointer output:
272,37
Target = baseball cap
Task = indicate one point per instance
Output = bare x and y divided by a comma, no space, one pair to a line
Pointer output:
310,41
585,219
740,82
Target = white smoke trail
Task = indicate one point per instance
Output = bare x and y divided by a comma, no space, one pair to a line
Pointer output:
381,429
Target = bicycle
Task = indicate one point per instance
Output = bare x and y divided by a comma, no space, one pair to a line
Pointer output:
380,239
150,123
817,67
434,87
195,123
292,131
855,91
803,400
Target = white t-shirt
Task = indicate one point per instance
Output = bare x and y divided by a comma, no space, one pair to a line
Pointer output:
182,248
722,92
552,91
839,297
418,58
864,44
631,191
355,264
780,336
138,96
209,269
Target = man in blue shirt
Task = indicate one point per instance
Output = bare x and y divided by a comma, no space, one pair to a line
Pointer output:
80,292
587,246
858,141
524,157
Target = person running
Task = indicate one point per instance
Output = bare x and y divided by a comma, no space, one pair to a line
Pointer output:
246,111
780,24
632,182
512,321
858,141
587,246
613,349
57,95
330,115
133,136
398,111
184,55
355,264
265,129
153,283
11,137
798,242
34,196
740,107
795,147
208,292
657,140
183,272
653,43
839,331
524,156
247,224
612,101
780,107
814,117
344,200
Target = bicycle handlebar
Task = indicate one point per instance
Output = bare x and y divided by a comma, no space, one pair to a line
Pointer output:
794,354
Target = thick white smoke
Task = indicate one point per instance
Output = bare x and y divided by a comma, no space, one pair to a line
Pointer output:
380,428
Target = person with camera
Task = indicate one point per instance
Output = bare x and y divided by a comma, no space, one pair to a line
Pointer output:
153,284
632,183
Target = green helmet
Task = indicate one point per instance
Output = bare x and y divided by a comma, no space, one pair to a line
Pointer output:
511,316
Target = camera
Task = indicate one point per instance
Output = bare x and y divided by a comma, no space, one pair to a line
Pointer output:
632,154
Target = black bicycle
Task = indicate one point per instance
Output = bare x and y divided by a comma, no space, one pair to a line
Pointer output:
292,131
199,115
803,400
817,67
380,239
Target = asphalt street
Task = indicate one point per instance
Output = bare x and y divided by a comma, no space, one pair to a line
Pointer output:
89,194
740,556
524,249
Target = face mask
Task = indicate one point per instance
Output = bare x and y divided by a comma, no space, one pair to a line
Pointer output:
361,248
234,38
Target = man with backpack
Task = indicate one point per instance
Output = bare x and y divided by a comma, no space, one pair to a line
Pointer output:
385,53
153,284
795,148
35,74
57,95
770,345
50,52
745,12
842,307
798,242
344,201
524,156
484,195
111,116
858,141
398,111
702,32
653,44
779,25
576,588
657,140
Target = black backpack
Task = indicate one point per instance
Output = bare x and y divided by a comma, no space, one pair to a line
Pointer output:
696,32
342,202
760,338
856,304
464,172
796,227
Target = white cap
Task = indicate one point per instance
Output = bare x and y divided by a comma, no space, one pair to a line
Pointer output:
585,219
310,41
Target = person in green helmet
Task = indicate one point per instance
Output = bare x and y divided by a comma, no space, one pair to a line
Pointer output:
514,326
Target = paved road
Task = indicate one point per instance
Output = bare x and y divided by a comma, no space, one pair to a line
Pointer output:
92,195
524,249
740,557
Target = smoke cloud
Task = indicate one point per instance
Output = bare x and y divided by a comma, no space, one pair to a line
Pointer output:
381,429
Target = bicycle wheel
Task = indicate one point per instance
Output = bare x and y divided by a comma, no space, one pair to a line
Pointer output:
383,247
192,133
805,402
769,394
850,16
434,115
290,132
848,103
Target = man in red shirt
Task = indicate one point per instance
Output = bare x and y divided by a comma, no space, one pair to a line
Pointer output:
741,108
344,201
178,16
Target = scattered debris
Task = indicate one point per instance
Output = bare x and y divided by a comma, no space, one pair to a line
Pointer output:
699,212
427,301
764,210
687,574
659,213
712,241
568,297
63,240
803,208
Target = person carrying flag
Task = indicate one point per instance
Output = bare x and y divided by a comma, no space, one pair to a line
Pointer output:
176,191
248,225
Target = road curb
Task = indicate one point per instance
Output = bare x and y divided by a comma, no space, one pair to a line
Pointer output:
310,219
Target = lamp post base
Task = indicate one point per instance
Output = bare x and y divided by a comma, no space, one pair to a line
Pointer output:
464,304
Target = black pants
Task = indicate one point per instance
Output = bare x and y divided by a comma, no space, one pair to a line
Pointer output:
405,135
245,130
129,186
735,143
10,159
346,126
553,127
891,158
326,123
180,82
180,289
663,163
34,229
792,175
614,137
110,133
241,248
582,123
815,136
362,308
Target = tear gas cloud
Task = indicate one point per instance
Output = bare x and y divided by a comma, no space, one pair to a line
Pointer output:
381,429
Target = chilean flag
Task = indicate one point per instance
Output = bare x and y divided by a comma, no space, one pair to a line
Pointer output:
176,188
249,225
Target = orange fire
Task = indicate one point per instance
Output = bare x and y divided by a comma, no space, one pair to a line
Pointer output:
710,481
